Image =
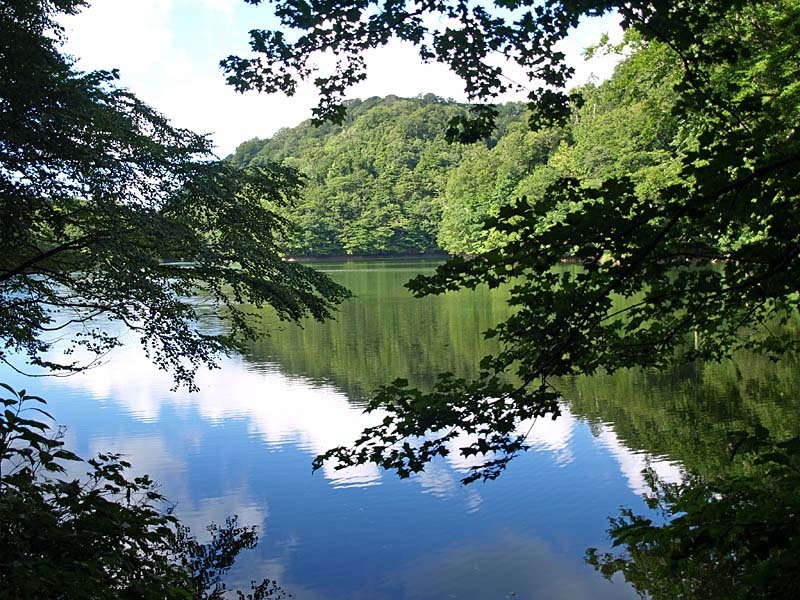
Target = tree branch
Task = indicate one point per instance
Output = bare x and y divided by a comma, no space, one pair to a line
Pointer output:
42,256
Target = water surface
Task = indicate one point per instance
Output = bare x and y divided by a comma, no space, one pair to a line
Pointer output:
244,443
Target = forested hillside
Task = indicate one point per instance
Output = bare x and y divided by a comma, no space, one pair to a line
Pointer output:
387,182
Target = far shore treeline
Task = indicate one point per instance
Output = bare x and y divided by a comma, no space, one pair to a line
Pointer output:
386,182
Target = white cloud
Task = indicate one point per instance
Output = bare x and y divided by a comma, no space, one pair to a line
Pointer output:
553,436
133,36
632,463
282,410
168,53
438,481
197,515
222,6
148,454
279,410
173,65
588,33
397,69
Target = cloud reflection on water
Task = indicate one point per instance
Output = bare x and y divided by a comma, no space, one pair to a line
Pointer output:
281,410
508,565
152,455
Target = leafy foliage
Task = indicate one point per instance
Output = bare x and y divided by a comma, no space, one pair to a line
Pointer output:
695,235
110,215
725,537
683,221
385,181
101,536
689,231
377,184
100,196
462,35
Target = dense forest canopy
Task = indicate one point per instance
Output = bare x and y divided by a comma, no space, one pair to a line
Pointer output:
387,181
377,183
373,184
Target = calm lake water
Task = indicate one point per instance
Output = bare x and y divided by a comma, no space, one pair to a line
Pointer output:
244,444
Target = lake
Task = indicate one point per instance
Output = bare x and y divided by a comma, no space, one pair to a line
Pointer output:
244,443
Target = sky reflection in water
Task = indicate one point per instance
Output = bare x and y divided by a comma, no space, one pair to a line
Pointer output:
243,445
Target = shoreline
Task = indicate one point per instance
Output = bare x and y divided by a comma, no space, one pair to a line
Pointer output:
368,257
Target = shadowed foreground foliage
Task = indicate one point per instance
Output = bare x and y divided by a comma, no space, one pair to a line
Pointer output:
708,249
705,241
113,219
103,535
725,537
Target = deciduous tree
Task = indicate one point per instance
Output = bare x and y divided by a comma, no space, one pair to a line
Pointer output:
711,249
110,215
696,238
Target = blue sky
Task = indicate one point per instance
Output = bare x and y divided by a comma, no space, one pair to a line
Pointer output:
168,53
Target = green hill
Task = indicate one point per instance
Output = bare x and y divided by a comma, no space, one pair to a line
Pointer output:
386,181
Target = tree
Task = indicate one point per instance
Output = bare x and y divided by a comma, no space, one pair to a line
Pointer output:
373,185
711,249
108,213
101,536
695,238
487,179
100,197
